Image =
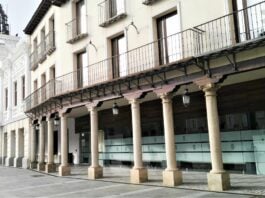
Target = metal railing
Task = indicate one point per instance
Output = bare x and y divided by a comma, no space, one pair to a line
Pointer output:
41,51
33,59
76,28
50,42
209,37
110,9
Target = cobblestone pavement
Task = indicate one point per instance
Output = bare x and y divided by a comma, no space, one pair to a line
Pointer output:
16,183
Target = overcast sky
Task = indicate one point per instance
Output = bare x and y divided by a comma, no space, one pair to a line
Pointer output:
19,13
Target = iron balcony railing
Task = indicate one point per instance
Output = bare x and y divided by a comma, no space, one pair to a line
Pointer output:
34,60
50,42
209,37
76,29
111,11
41,51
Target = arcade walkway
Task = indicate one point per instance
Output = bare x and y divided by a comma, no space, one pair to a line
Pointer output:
15,183
241,184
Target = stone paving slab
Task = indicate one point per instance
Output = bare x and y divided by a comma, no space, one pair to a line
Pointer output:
17,183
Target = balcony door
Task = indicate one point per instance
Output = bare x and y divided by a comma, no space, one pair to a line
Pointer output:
249,22
82,70
119,58
169,43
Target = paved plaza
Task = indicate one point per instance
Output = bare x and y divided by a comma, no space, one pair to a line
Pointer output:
27,183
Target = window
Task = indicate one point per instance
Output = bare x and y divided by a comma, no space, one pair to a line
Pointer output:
116,7
50,37
81,17
52,82
77,27
248,22
43,86
119,59
170,43
15,93
23,88
82,74
6,98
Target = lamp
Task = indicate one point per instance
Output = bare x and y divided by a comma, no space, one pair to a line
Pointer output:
186,98
37,127
115,109
56,121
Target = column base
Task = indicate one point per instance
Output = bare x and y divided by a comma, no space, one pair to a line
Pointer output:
64,170
95,172
18,162
172,177
25,163
33,165
218,181
41,166
9,161
50,168
139,175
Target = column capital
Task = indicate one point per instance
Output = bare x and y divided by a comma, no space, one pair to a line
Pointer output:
205,80
92,105
165,91
64,112
134,96
210,89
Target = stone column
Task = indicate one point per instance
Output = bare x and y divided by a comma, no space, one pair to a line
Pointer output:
18,157
218,179
33,163
138,173
41,164
64,168
94,171
171,176
50,166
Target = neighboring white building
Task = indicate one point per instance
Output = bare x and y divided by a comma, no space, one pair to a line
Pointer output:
14,88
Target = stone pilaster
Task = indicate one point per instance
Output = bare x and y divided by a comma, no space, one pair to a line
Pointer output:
50,166
33,161
41,164
18,154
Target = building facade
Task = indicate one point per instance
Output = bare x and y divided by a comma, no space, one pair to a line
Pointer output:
109,80
14,78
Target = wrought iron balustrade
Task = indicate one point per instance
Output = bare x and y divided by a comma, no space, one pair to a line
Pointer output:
34,60
50,42
111,11
41,51
213,36
76,29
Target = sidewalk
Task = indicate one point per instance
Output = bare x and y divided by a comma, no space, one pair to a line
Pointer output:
241,184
